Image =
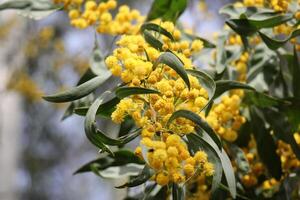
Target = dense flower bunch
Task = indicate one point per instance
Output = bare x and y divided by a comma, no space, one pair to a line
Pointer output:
90,13
277,5
256,166
134,62
198,128
288,159
225,117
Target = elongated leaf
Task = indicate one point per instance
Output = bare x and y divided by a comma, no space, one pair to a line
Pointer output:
296,74
97,136
241,26
206,43
266,146
275,43
97,64
198,121
168,10
79,91
246,26
140,179
232,11
175,63
262,100
153,41
105,110
221,56
225,85
156,28
120,158
282,128
15,5
206,82
89,125
121,171
196,143
226,163
269,19
240,158
118,141
123,92
35,9
177,192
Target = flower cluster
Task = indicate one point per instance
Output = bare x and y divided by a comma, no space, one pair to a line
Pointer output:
169,157
130,62
277,5
256,166
225,117
87,13
288,159
134,62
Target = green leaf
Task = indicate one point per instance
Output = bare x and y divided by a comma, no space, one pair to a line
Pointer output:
121,171
226,163
79,91
97,136
266,146
296,74
269,19
35,9
120,158
262,100
246,26
177,192
88,75
123,92
97,63
89,125
221,56
240,158
118,141
105,110
87,100
225,85
140,179
274,43
168,10
175,63
156,28
196,143
241,26
206,43
232,11
153,41
206,82
198,121
282,128
222,156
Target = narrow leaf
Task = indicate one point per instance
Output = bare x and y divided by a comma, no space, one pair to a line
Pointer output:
79,91
198,121
89,125
140,179
266,146
153,41
175,63
105,110
156,28
275,43
120,158
225,85
123,92
296,74
206,82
